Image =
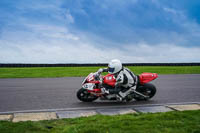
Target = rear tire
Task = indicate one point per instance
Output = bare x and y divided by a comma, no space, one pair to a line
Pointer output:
147,89
84,96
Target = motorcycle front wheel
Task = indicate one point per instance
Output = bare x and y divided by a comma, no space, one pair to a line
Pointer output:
147,89
85,96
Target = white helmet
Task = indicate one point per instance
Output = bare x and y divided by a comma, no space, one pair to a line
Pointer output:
114,66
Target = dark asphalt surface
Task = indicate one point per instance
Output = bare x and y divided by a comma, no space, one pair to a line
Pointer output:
57,93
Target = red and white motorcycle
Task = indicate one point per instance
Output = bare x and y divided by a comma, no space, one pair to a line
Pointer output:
92,88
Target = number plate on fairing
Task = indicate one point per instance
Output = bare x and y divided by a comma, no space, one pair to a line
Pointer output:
89,86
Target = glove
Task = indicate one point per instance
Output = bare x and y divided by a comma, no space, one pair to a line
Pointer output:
100,70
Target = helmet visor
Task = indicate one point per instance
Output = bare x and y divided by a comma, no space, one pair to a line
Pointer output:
111,70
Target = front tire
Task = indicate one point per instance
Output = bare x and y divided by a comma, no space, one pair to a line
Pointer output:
147,89
84,96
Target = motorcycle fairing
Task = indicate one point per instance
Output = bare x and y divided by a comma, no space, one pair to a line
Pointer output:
109,79
147,77
89,86
90,79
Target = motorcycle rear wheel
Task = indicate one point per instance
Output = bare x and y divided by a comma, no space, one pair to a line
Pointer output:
147,89
84,96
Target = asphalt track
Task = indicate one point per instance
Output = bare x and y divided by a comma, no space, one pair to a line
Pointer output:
60,93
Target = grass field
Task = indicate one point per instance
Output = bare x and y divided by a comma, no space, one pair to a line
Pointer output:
36,72
170,122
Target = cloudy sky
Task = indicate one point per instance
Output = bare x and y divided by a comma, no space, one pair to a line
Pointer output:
96,31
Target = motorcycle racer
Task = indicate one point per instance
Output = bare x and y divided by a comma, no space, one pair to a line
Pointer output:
125,79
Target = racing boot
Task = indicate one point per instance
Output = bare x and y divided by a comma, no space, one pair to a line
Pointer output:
105,91
121,96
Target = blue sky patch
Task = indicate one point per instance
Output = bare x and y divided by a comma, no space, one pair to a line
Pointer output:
132,30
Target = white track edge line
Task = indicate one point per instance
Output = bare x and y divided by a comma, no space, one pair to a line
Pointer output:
94,108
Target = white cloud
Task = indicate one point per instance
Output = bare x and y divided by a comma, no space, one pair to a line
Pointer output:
163,53
69,17
170,10
51,43
52,31
70,52
38,5
56,44
178,13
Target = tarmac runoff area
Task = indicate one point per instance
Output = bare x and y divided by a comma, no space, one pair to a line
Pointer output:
74,113
54,98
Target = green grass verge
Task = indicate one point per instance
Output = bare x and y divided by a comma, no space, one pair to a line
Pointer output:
44,72
170,122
